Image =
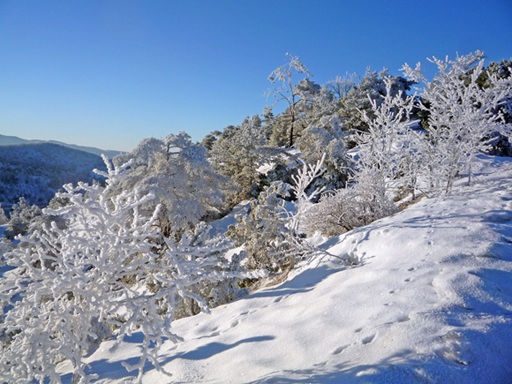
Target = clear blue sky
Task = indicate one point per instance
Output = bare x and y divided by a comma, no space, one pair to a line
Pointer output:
110,73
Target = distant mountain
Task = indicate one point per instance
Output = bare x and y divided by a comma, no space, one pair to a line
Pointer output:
14,140
36,171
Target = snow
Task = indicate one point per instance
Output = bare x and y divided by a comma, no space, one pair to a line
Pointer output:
431,302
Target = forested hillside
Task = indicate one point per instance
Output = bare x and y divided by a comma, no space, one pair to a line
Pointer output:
14,140
37,171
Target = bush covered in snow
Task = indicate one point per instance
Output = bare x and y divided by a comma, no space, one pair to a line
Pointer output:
106,272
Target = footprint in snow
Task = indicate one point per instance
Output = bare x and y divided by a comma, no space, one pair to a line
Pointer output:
338,350
368,339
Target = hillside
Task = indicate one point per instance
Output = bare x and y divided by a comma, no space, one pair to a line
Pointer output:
14,140
37,171
430,302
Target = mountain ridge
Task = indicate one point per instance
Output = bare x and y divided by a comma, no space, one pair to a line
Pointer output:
15,140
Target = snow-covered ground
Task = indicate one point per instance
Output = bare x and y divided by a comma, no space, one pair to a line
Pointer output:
431,302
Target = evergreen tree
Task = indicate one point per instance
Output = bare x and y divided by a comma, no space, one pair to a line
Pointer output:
236,155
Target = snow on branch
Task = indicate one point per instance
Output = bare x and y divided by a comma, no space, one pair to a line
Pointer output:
106,273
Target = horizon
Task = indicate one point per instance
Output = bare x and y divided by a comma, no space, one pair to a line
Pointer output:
108,75
51,141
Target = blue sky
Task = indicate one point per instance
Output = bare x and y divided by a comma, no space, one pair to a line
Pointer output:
110,73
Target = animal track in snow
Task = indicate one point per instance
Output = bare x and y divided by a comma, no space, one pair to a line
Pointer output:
368,339
358,330
338,350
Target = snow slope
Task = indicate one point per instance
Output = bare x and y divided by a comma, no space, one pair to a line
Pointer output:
431,302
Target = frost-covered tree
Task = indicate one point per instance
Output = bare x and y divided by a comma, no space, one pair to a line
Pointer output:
289,92
21,216
341,86
461,115
316,102
180,176
326,138
271,231
210,139
236,155
345,209
389,150
104,269
263,230
304,200
371,88
387,158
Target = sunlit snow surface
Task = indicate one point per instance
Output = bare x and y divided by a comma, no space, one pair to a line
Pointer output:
430,303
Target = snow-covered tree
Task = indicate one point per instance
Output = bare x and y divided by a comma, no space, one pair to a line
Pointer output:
341,86
236,154
181,178
21,216
317,102
388,158
389,150
263,230
348,208
461,115
304,200
370,89
289,92
271,232
105,272
326,138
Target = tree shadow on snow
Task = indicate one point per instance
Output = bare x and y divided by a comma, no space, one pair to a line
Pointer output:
114,370
300,283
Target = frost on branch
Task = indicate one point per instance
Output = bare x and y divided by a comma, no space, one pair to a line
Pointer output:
387,159
270,233
289,92
181,178
461,115
263,231
103,273
389,151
